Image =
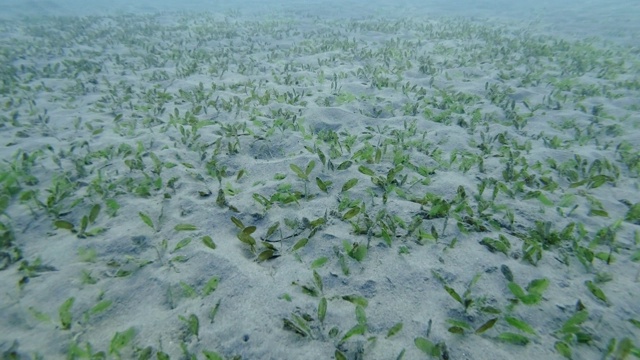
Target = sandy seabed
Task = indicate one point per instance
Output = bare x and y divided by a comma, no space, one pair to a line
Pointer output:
294,186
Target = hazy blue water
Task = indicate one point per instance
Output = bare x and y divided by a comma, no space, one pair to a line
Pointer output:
617,20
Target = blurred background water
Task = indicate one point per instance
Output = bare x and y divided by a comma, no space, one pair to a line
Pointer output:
616,20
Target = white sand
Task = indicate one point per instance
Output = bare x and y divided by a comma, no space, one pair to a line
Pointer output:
128,62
